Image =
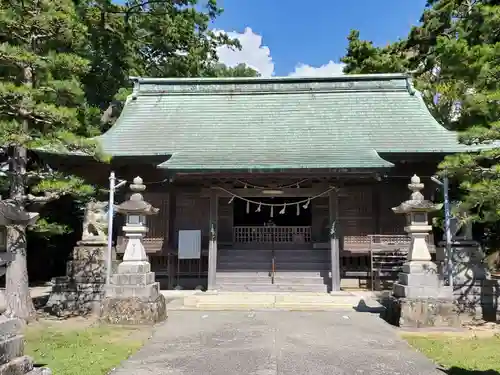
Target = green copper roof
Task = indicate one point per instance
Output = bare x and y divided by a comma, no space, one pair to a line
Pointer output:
276,123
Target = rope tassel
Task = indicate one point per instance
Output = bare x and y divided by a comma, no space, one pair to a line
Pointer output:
282,212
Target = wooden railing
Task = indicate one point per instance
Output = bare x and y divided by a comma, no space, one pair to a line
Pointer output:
365,244
269,234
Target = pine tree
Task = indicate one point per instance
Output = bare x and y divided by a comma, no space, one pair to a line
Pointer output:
42,105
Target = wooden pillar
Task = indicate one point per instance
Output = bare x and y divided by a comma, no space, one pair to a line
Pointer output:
172,237
334,241
376,207
212,244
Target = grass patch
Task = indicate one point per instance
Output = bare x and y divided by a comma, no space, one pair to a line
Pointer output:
83,350
460,355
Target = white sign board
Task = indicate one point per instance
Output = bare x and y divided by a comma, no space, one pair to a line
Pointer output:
189,244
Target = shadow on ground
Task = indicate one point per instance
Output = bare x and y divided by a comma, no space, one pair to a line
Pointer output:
461,371
363,307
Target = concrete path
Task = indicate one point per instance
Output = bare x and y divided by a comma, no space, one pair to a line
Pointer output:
275,342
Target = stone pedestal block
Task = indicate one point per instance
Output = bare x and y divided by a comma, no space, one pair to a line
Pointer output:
12,359
475,294
420,279
424,312
133,310
133,296
81,290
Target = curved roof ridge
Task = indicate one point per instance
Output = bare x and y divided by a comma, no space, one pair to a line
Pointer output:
332,78
235,86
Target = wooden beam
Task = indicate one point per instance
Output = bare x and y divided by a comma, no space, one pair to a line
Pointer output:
257,193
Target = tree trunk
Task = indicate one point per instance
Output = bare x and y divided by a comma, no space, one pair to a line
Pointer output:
18,299
17,293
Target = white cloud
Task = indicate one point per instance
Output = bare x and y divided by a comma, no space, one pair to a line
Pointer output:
258,56
252,53
327,70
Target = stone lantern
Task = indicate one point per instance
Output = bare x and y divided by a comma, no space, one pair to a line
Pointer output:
419,293
417,226
136,209
133,297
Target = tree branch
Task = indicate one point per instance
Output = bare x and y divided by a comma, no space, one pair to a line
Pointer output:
47,197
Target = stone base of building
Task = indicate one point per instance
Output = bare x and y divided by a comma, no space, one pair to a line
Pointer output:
80,292
422,312
133,311
12,358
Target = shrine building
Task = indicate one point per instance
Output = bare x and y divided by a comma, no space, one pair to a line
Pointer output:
250,174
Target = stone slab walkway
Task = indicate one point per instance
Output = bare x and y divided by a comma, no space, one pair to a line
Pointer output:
276,342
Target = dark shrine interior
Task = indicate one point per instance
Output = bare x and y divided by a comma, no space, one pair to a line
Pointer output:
288,218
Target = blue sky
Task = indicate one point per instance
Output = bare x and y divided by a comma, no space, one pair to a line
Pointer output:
301,36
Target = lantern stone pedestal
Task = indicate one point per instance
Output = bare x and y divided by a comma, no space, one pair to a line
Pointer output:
81,290
133,297
420,298
474,292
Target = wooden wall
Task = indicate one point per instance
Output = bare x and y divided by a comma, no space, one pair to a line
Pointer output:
320,219
361,210
356,214
191,212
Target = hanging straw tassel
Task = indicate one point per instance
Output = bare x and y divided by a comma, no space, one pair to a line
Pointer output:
298,209
248,207
258,208
272,211
282,212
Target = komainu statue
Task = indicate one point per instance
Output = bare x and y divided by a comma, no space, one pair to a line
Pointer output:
95,222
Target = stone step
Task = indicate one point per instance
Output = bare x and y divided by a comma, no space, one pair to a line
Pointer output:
268,257
265,278
268,287
305,253
280,266
297,301
290,274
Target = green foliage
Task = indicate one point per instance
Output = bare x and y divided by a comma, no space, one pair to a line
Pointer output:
453,56
241,70
63,62
150,39
363,57
42,102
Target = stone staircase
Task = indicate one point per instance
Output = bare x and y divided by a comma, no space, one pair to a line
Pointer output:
297,270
